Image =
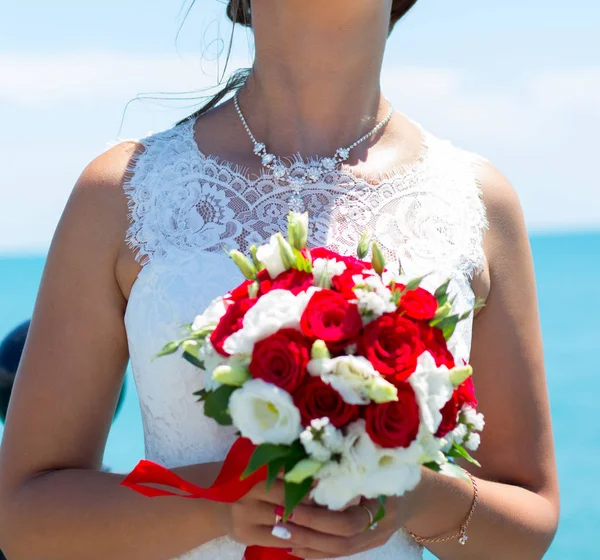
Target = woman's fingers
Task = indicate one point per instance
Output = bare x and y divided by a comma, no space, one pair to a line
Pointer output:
351,521
332,545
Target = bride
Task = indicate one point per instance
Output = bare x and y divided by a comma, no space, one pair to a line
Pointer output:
139,249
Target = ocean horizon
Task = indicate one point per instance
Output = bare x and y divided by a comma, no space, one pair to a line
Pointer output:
567,270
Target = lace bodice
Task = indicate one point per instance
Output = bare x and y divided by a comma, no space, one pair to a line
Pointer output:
185,206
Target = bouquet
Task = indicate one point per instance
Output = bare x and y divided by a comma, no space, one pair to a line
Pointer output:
337,372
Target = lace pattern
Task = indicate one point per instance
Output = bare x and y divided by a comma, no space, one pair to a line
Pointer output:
185,206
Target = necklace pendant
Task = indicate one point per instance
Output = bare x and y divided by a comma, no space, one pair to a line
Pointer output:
279,171
268,159
328,164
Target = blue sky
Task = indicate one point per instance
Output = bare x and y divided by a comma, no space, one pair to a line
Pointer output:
518,81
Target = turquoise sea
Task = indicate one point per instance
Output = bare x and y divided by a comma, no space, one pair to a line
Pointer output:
568,276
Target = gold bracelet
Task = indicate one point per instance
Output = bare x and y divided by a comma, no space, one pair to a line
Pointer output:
461,535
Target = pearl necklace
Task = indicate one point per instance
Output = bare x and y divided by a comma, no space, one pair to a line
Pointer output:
310,174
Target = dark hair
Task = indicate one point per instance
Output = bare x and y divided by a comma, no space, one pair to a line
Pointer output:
240,12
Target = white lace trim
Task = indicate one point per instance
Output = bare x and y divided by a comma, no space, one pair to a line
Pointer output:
181,199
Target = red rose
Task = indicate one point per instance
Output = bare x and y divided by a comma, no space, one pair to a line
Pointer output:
463,394
418,304
449,417
466,393
436,345
344,284
292,280
241,292
330,317
230,323
281,359
392,344
394,424
316,399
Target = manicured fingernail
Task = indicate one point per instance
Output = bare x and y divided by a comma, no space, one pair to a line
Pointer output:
287,549
278,511
280,532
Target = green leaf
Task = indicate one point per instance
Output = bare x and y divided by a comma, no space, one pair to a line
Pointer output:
193,360
273,470
294,494
432,466
202,394
264,454
454,471
414,284
441,294
458,450
465,315
380,512
306,468
216,405
447,325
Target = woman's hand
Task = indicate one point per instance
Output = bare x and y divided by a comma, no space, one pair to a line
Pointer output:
317,532
313,531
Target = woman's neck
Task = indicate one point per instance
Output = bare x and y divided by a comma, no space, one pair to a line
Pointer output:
315,81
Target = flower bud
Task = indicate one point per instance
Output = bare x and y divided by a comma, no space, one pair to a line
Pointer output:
378,260
253,290
191,347
304,469
298,230
363,245
443,311
459,375
235,376
257,263
320,351
244,264
381,391
287,253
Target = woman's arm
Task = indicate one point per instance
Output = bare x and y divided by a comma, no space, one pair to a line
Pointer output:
53,502
517,513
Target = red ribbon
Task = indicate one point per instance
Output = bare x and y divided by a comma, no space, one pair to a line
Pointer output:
228,487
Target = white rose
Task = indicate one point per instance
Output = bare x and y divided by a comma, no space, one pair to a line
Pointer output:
433,389
397,471
211,315
353,377
325,269
264,413
270,256
278,309
388,472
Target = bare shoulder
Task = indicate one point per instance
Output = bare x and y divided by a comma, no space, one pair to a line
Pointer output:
507,233
95,219
502,203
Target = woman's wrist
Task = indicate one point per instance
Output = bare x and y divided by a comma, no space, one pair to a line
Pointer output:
439,505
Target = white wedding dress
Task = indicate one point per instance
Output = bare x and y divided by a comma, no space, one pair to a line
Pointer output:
186,206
